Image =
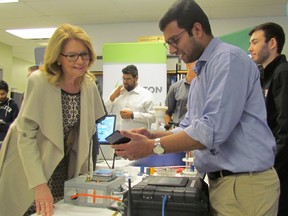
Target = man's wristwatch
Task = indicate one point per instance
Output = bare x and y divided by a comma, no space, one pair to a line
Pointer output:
158,148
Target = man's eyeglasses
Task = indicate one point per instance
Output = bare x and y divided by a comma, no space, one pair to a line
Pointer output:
173,41
73,57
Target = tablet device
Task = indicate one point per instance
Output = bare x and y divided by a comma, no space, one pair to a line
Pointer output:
117,138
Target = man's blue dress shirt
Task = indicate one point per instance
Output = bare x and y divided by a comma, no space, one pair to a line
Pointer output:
227,114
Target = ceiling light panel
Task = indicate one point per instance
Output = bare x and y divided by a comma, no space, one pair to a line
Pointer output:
8,1
38,33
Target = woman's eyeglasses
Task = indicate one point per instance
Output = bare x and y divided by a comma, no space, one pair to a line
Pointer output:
73,57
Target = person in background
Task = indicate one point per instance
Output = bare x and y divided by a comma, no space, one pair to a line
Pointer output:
50,141
266,44
225,123
31,69
177,96
130,102
8,109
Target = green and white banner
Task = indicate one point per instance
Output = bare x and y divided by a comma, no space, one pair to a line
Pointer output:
149,58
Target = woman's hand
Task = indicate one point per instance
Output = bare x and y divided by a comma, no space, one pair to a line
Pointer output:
44,200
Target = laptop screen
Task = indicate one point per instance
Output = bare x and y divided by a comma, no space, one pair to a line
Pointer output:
105,128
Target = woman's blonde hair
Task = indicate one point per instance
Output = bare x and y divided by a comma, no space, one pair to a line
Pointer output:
61,36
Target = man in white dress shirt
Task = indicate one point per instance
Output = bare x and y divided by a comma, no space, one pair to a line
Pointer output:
131,103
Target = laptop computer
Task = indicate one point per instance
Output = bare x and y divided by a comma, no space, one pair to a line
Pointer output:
104,129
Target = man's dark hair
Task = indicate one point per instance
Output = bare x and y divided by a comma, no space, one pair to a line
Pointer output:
272,30
186,13
130,69
4,86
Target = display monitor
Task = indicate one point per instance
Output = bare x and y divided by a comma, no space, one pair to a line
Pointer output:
105,128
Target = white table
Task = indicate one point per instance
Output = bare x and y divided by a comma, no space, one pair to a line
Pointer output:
64,209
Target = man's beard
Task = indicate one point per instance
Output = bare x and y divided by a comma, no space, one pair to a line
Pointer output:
130,87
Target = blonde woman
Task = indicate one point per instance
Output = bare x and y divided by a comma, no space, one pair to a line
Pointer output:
49,142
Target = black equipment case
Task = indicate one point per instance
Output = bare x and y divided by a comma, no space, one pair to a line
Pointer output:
187,196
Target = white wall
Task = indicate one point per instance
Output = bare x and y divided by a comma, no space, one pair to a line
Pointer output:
15,70
118,33
225,26
6,61
19,74
129,32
